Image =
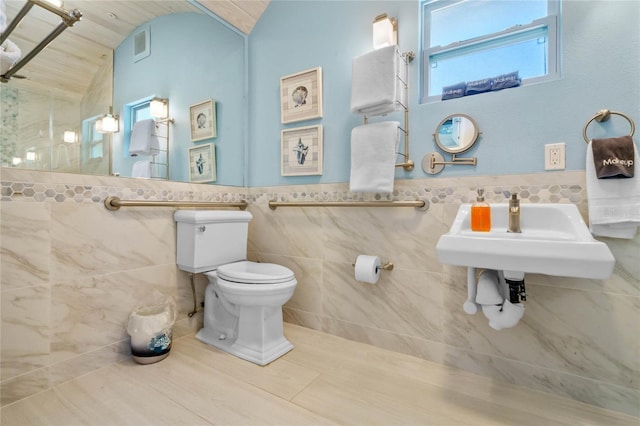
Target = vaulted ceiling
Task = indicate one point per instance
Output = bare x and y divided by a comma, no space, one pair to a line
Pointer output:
69,63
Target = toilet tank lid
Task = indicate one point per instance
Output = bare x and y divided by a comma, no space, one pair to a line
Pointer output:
211,216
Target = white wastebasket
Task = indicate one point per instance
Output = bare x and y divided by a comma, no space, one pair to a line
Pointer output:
150,329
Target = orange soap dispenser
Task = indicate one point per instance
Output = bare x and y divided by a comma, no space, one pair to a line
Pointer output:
480,214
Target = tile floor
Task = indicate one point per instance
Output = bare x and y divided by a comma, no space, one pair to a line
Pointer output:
324,380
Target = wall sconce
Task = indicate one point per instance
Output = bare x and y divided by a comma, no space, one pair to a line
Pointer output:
30,154
159,108
109,123
15,161
69,136
385,31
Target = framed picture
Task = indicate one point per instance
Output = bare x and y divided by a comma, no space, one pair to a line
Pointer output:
203,120
301,151
202,163
301,96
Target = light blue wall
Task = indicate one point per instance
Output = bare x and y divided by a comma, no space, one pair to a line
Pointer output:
601,69
193,57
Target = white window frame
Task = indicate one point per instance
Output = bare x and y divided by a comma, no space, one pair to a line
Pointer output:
505,37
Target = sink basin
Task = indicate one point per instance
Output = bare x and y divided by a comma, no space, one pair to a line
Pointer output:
554,241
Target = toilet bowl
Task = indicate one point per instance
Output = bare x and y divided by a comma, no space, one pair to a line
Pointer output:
243,310
243,299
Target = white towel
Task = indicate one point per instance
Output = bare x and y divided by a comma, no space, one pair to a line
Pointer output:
9,55
614,204
373,157
141,169
375,86
143,138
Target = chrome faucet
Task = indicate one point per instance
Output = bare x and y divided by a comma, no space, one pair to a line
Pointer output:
514,214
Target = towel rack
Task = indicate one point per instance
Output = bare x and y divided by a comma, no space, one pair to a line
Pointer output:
69,18
604,115
114,203
407,164
165,122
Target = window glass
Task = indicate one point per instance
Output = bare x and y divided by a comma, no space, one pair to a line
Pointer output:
468,19
469,40
92,141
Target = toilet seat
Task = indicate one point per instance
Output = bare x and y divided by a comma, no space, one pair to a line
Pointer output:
247,272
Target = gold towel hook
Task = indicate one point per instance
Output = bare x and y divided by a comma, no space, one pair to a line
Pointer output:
604,115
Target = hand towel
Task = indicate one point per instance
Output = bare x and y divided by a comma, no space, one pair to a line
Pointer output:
373,157
506,81
141,169
374,82
143,138
454,91
478,86
614,204
613,157
9,55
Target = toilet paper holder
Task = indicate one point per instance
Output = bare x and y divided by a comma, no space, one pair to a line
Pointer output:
386,267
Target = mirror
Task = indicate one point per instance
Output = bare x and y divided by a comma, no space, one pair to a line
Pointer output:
456,133
45,116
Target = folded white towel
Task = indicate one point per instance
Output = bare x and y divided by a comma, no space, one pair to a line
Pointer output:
614,204
375,86
143,138
141,169
373,157
9,55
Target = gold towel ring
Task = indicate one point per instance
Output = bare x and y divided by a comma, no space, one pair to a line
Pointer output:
604,115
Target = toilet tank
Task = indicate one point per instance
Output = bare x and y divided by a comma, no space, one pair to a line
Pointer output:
207,239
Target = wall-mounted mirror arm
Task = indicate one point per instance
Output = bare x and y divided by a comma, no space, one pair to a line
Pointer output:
433,162
455,134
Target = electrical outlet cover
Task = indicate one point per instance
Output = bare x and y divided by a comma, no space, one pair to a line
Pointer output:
554,156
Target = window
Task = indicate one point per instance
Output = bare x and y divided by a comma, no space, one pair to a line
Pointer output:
140,111
469,40
92,141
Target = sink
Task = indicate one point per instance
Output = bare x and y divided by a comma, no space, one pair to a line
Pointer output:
554,241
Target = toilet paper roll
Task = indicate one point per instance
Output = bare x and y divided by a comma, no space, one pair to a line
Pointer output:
367,268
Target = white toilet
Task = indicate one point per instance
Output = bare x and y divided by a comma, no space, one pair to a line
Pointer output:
243,300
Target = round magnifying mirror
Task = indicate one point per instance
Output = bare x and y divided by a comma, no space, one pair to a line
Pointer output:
456,133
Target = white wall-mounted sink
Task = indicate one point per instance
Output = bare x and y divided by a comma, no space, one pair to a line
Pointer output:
554,241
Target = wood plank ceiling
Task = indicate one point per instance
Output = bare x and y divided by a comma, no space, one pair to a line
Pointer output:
69,63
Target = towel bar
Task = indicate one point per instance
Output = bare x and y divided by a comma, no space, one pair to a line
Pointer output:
114,203
418,204
408,164
604,115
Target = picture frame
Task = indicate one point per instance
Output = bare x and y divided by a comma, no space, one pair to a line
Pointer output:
301,151
203,120
202,163
301,96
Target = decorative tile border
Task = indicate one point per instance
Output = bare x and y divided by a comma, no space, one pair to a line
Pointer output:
565,187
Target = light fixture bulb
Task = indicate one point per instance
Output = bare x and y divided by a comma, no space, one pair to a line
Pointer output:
159,108
109,124
16,160
31,155
69,136
385,31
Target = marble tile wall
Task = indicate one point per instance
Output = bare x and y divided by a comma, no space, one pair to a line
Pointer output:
72,271
578,338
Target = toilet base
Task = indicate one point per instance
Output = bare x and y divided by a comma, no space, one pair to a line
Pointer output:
211,337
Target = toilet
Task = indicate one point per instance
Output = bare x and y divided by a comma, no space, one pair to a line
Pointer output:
243,300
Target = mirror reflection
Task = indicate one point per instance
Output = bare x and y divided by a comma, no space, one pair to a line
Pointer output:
49,116
456,133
